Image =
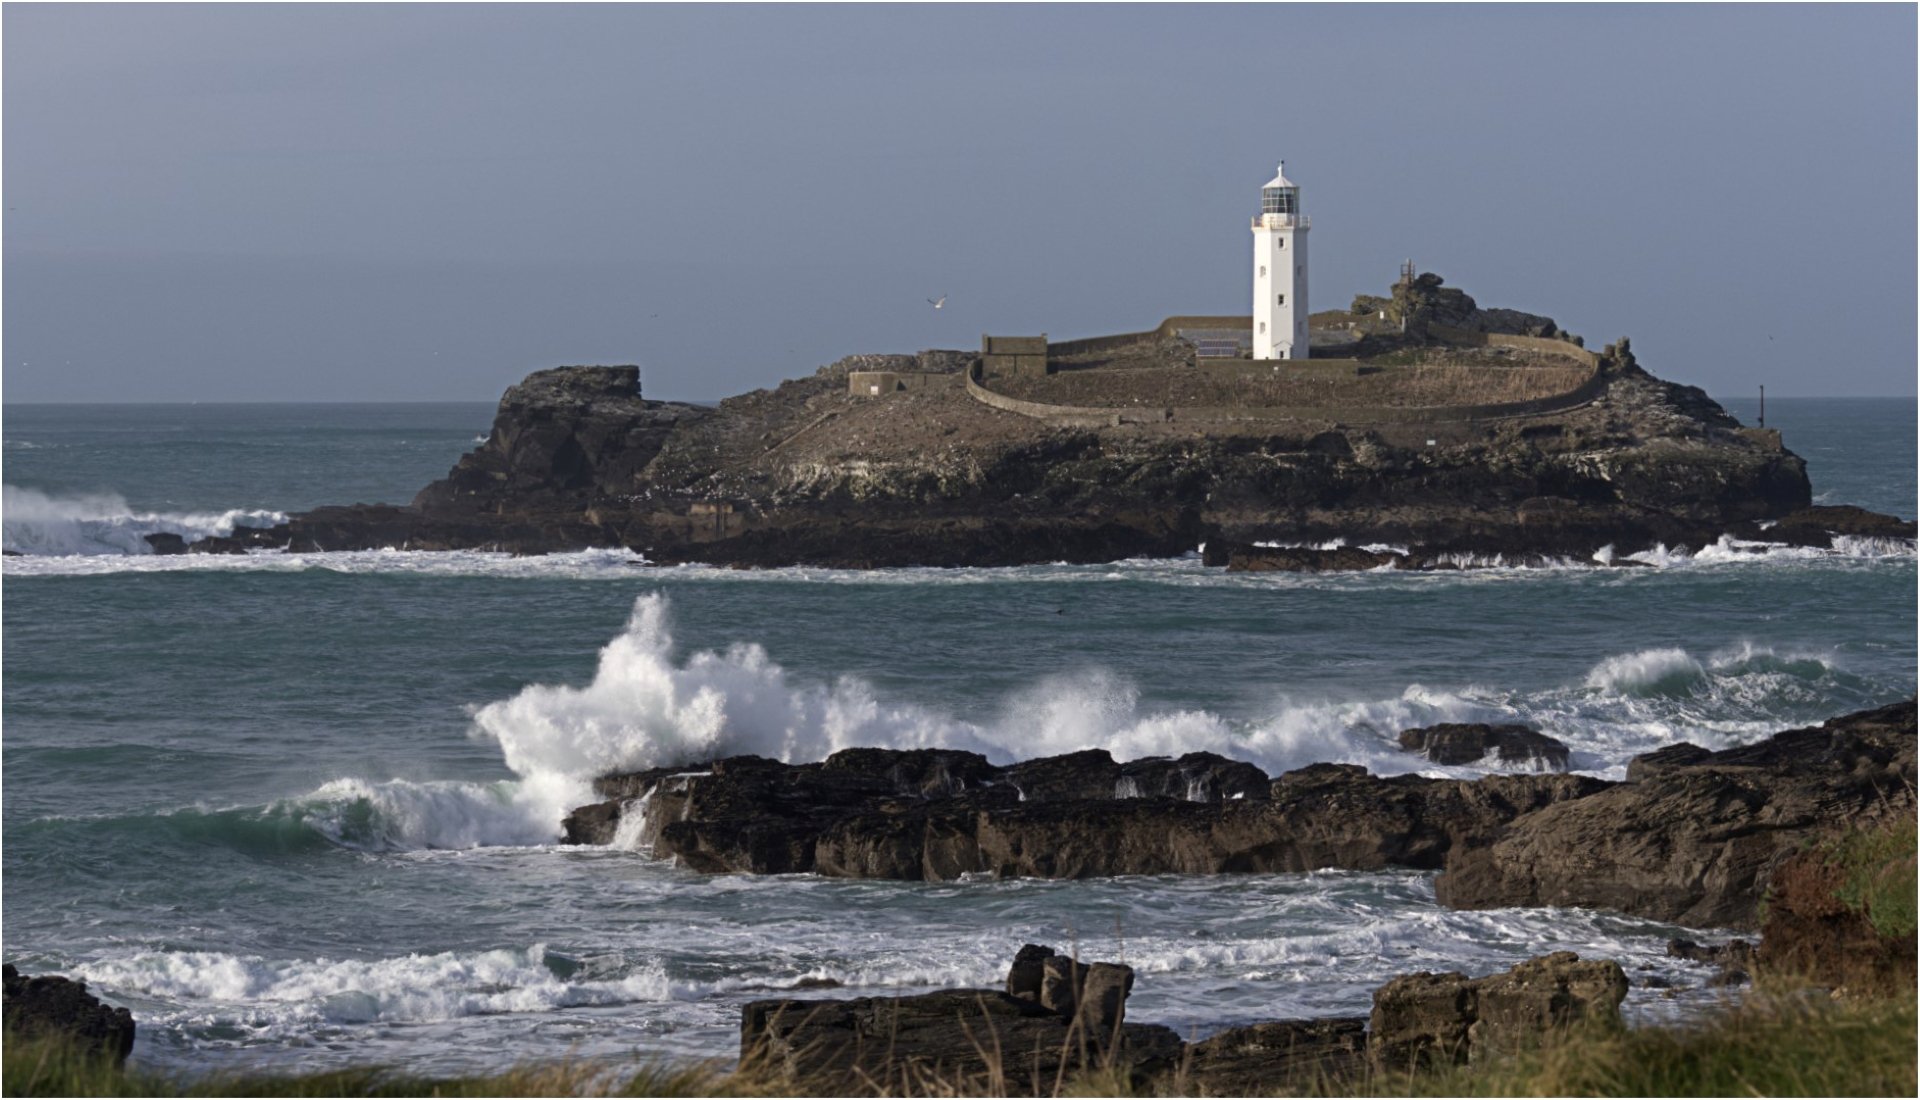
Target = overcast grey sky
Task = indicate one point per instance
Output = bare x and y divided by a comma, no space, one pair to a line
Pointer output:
370,202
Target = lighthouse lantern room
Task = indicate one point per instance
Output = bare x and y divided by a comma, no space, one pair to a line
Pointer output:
1280,272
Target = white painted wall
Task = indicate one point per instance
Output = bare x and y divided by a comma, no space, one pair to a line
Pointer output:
1280,284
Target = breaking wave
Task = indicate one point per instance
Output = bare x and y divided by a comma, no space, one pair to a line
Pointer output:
643,709
257,992
104,524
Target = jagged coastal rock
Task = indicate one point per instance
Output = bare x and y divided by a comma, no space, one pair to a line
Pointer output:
1471,742
52,1006
937,815
1695,837
1691,836
1422,448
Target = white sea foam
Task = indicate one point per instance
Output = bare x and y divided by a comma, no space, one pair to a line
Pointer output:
399,814
104,524
411,988
1647,672
644,710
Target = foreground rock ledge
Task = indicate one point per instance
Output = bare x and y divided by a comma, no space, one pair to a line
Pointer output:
1692,836
1027,1039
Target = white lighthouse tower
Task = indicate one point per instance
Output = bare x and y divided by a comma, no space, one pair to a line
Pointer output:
1280,272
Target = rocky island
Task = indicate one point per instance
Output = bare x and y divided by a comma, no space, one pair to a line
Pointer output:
1425,432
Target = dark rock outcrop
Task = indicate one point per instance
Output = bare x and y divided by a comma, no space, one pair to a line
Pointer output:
568,431
938,815
1732,961
1694,837
1055,1018
1306,559
1440,1019
51,1006
1030,1042
1278,1057
1455,743
1820,525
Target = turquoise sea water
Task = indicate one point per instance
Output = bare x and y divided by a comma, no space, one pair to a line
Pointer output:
300,810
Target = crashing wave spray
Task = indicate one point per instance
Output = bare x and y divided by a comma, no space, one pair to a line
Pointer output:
644,708
35,523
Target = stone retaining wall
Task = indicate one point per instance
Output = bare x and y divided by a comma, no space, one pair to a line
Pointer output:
1545,344
1087,416
876,383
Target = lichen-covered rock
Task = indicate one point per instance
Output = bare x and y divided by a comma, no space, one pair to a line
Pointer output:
1442,1019
967,1039
1278,1057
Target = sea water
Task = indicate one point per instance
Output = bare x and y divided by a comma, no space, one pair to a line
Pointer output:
302,810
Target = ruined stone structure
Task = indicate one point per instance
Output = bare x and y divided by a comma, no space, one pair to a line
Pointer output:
1016,355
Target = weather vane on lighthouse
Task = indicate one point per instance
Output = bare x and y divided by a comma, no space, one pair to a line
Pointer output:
1280,272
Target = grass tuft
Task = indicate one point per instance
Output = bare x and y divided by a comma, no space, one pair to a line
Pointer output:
1878,874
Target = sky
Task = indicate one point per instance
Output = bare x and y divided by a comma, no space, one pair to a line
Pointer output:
371,202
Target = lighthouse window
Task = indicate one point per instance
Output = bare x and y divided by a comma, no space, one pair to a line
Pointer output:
1263,271
1279,200
1282,299
1280,242
1263,326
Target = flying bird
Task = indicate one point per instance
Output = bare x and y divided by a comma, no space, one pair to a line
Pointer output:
937,303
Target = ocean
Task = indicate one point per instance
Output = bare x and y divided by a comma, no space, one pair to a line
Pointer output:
301,811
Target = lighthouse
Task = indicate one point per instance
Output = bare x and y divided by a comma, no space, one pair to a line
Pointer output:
1280,272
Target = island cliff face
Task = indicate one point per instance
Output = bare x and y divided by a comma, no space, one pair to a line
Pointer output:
933,474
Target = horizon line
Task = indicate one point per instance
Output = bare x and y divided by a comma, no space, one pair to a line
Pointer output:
716,400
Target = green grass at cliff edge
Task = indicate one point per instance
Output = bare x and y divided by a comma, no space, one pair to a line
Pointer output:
1879,865
1770,1046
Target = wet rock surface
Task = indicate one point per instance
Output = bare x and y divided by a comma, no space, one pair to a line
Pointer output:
1732,962
938,815
1513,745
51,1006
1695,837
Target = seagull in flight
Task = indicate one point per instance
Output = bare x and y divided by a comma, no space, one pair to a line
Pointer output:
938,303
